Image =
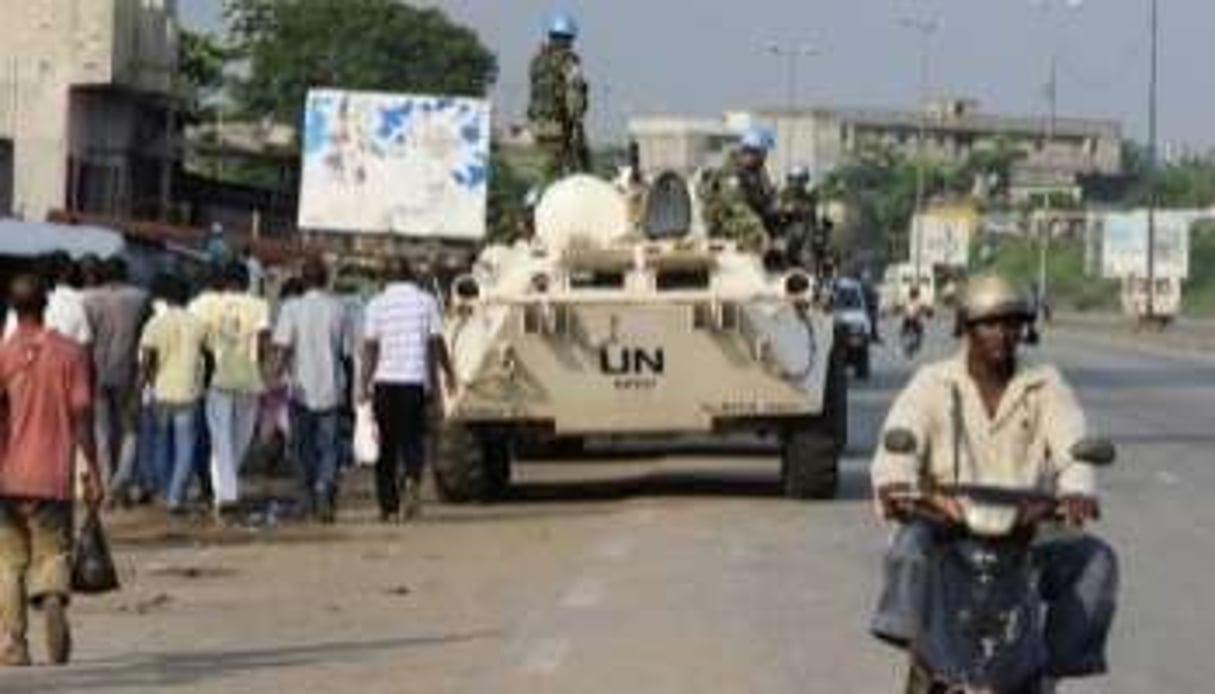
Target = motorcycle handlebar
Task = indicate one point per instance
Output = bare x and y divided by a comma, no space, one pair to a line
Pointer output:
944,505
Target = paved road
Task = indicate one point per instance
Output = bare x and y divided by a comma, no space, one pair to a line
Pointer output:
657,573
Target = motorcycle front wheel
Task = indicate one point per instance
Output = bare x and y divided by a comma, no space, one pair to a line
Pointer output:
921,681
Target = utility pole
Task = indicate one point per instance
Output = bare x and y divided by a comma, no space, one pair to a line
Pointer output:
1045,226
792,53
926,28
1153,103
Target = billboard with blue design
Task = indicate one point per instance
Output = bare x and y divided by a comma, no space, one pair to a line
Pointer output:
1124,243
404,164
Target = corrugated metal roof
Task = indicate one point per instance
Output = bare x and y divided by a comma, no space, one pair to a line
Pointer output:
31,239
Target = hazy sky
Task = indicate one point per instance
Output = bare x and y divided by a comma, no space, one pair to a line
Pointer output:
705,56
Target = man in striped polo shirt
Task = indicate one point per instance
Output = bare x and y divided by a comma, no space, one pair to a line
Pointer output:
403,348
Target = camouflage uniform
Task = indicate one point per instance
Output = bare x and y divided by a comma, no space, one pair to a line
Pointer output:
808,237
557,109
739,203
797,208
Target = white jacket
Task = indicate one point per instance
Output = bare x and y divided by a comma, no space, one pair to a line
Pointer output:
1026,446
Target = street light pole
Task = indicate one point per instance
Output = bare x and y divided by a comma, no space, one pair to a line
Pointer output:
1153,104
1052,101
925,28
792,53
1044,231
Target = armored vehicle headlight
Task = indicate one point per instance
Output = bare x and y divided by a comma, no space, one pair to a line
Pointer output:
541,283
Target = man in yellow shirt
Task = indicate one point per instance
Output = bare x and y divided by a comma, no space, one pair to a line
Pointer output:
237,328
171,362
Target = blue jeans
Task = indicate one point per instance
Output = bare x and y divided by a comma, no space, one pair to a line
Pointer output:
176,440
202,451
232,419
150,475
314,434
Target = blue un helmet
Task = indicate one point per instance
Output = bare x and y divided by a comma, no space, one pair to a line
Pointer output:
563,26
769,138
757,139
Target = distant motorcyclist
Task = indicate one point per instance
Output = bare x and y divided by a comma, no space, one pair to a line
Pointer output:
916,312
984,417
739,200
559,100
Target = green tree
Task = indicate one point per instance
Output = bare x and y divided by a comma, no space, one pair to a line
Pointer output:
1186,182
994,164
201,62
878,186
507,189
290,46
879,189
1189,182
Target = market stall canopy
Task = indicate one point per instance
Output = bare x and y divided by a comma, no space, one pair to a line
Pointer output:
31,239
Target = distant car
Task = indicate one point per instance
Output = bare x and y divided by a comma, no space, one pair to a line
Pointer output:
852,317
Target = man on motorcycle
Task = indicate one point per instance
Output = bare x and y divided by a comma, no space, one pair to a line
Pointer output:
983,417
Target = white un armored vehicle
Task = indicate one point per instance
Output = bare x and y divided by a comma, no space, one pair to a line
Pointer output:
604,326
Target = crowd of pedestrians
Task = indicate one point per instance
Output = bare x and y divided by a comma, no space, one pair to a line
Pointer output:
125,395
185,380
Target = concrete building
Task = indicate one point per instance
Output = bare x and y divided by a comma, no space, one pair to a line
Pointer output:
1056,153
682,144
87,112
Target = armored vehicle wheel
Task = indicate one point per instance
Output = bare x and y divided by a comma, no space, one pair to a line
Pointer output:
811,449
472,463
835,410
809,464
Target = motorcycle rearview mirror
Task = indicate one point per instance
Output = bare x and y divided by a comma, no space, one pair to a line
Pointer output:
1033,338
1099,452
900,442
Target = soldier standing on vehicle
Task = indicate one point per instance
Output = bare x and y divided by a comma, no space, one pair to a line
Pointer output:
559,100
798,210
984,417
739,200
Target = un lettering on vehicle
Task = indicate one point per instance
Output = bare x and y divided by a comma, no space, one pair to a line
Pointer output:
633,368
